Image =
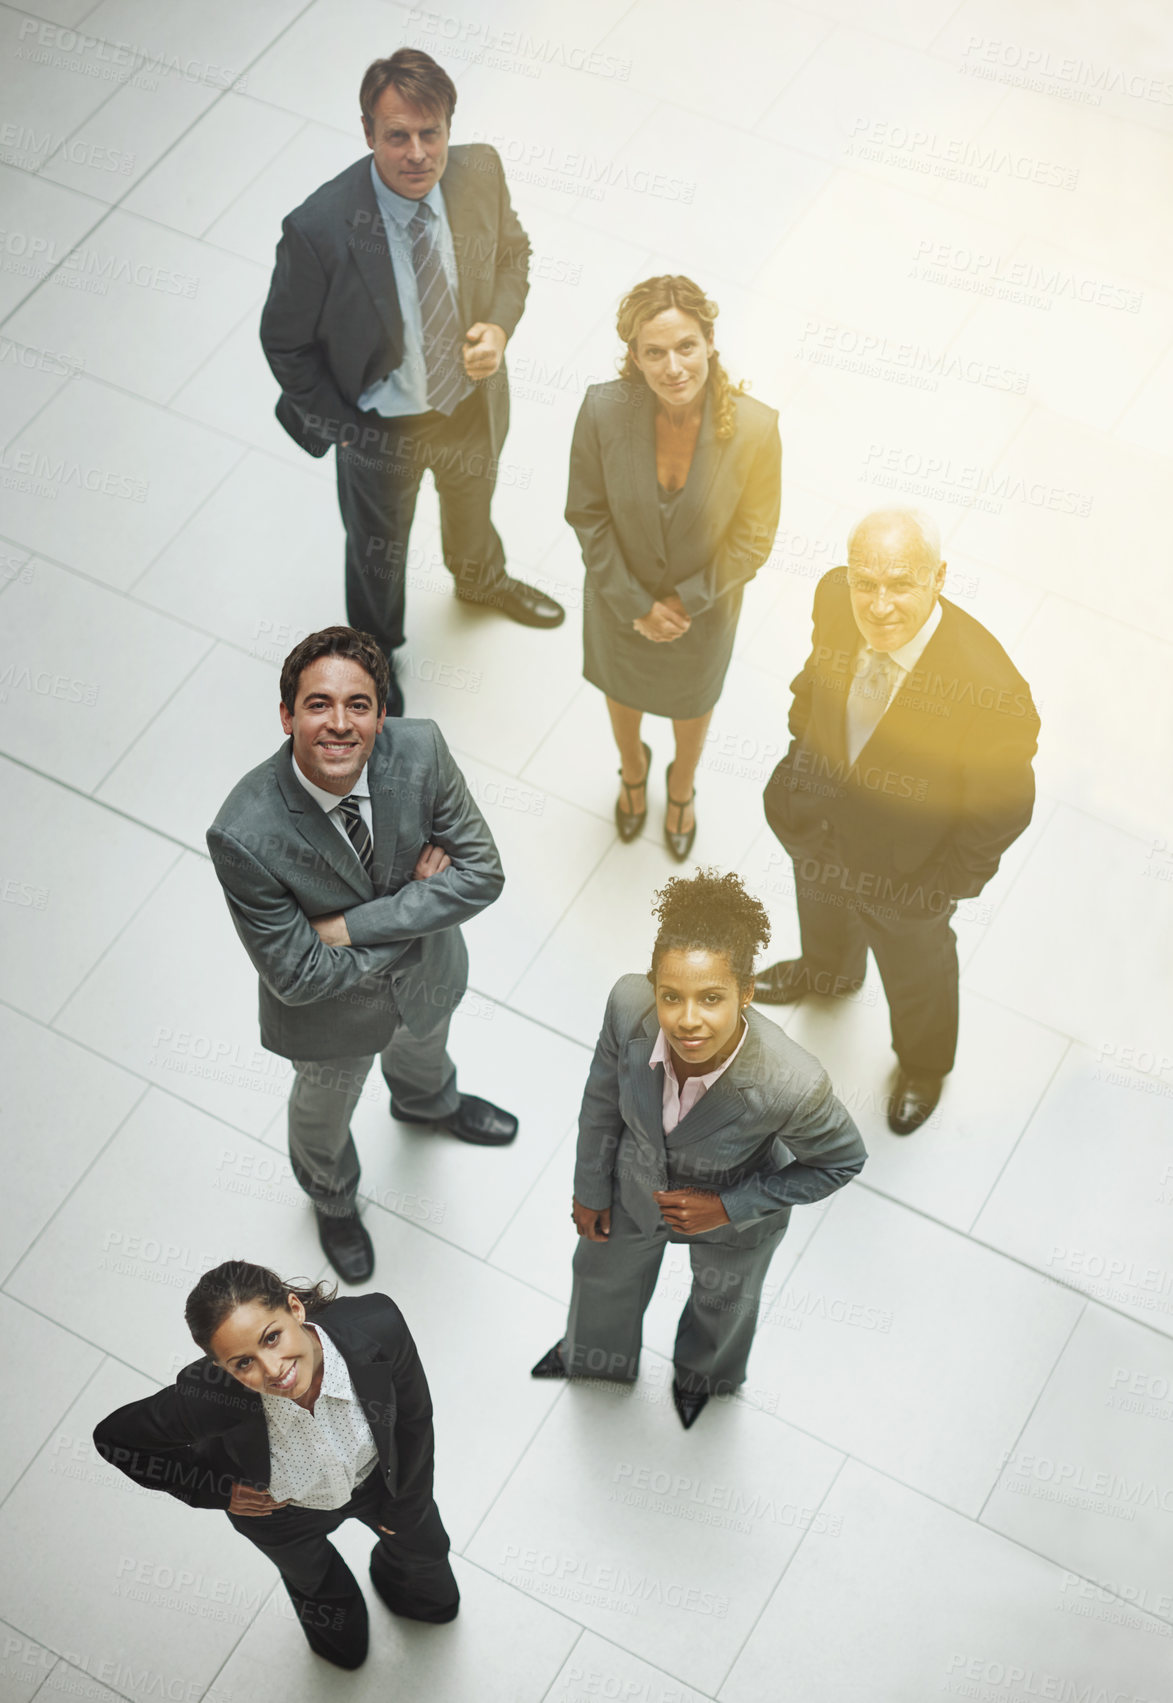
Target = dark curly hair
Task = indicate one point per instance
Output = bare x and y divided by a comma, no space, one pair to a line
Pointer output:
234,1284
336,641
713,913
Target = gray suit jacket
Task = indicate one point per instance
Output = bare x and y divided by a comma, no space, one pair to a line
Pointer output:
281,861
728,510
768,1135
332,324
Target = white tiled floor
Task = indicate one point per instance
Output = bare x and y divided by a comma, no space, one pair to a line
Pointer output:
949,1469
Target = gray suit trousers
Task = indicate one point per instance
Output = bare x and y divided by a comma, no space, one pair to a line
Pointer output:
422,1080
613,1283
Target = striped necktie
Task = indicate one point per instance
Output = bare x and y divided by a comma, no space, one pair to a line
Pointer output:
356,830
448,383
868,699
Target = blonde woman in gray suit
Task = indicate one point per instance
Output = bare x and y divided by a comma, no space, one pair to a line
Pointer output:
675,485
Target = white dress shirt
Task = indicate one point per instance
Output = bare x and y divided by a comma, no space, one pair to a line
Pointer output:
678,1101
318,1459
330,801
908,655
405,391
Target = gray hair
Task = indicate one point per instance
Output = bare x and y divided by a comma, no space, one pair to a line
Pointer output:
914,520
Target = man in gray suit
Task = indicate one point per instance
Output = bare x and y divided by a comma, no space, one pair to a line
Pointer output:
701,1122
349,859
391,303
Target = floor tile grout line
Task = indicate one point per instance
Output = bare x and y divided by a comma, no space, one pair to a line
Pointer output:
64,1201
1039,1394
111,943
786,1565
548,1694
1021,1136
1134,395
528,1196
172,537
75,1398
152,719
504,1483
170,404
298,133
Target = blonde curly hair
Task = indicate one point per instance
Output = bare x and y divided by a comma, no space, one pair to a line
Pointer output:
658,295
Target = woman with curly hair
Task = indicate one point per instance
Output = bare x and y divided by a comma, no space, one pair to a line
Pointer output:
675,482
303,1412
702,1122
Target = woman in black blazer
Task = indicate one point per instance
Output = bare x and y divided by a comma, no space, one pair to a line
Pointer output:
222,1436
675,485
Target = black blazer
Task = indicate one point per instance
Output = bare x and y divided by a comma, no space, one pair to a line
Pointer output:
206,1432
944,784
332,325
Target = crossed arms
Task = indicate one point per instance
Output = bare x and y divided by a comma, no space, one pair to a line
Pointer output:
286,948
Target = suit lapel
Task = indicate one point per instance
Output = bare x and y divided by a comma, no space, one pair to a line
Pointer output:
373,1387
462,207
313,826
384,811
901,725
640,467
693,502
724,1102
647,1086
369,251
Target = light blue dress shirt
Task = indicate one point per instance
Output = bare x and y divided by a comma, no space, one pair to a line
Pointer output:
405,391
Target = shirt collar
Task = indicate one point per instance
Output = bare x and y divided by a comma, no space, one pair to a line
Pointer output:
335,1375
660,1055
330,800
399,207
909,655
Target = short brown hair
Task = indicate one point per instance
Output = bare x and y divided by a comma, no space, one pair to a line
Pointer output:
335,641
415,77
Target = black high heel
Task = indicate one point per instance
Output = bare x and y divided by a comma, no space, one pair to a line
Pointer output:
680,845
630,823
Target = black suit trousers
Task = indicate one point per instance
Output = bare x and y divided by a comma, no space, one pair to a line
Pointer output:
378,483
841,913
410,1570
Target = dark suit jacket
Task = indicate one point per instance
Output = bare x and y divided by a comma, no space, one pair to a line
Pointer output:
281,861
768,1135
944,784
723,528
206,1432
332,325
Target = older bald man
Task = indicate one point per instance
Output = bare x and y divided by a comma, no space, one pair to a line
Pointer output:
908,776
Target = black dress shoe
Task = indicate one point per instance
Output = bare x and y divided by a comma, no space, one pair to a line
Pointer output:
551,1365
347,1246
474,1120
630,823
913,1100
791,979
688,1404
678,844
521,602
